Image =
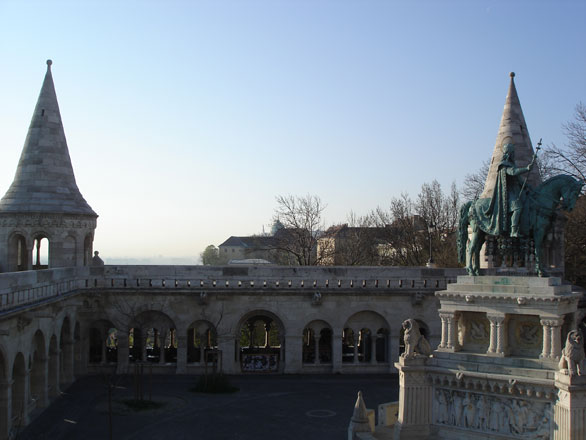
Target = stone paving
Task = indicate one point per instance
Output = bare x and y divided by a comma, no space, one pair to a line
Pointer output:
273,407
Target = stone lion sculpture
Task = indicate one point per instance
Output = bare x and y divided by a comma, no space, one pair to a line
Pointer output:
573,355
415,342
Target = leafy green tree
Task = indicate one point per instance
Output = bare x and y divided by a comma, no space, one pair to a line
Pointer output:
210,256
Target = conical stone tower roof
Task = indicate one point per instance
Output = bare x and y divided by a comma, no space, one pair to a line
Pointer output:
512,129
44,181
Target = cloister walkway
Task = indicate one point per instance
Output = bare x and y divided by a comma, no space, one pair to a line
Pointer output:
275,407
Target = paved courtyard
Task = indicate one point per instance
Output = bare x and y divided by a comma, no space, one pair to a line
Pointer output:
272,407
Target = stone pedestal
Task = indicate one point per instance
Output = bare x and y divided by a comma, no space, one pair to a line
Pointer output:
415,400
495,372
570,409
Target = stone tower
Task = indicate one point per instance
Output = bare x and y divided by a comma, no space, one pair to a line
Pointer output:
513,129
44,201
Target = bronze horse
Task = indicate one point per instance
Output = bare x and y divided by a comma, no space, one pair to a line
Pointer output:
541,204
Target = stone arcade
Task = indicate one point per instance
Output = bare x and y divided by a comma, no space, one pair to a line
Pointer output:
73,317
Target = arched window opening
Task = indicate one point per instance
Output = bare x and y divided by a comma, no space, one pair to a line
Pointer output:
112,345
309,346
134,345
96,343
260,345
18,391
153,345
382,341
325,346
364,345
348,342
87,249
202,344
41,253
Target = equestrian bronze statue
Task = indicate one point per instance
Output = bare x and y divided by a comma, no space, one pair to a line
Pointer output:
515,212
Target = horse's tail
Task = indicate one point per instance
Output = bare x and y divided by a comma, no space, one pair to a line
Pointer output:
463,231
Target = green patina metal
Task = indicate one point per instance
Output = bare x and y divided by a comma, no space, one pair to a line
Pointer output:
515,211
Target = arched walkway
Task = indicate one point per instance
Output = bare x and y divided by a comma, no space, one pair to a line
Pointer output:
153,338
66,353
19,393
4,397
103,346
202,343
38,375
53,389
365,339
317,343
261,342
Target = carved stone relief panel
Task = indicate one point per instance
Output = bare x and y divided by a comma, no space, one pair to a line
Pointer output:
493,414
474,332
525,336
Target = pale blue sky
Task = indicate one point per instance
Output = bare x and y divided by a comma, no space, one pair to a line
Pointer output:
184,120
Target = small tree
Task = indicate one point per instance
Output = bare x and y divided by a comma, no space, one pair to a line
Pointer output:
302,221
211,256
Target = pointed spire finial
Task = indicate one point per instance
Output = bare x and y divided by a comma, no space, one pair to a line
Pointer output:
49,62
512,74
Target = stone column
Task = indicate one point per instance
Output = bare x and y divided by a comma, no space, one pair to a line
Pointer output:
53,370
498,335
453,344
415,400
336,350
143,347
43,398
556,338
104,359
316,338
123,353
546,349
267,335
355,340
67,363
181,352
373,339
570,408
5,408
162,340
445,320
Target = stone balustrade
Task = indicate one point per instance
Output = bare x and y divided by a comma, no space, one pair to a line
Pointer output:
21,288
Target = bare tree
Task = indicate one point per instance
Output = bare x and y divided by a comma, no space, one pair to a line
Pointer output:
412,226
302,221
474,182
571,158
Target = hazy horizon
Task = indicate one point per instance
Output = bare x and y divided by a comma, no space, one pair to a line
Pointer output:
184,120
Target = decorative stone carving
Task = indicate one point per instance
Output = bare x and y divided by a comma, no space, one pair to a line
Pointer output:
415,342
572,361
203,298
493,414
316,300
22,322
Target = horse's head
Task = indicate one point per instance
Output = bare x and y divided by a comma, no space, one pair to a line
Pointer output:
570,194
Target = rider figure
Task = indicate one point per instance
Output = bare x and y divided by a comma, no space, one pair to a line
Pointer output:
513,185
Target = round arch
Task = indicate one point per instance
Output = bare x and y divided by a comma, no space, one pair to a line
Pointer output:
152,338
19,409
38,369
317,343
365,338
66,352
18,252
202,342
260,341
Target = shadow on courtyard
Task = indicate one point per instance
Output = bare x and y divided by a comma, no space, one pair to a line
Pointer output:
276,407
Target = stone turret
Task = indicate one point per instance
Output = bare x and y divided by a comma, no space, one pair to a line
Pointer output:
44,201
512,129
